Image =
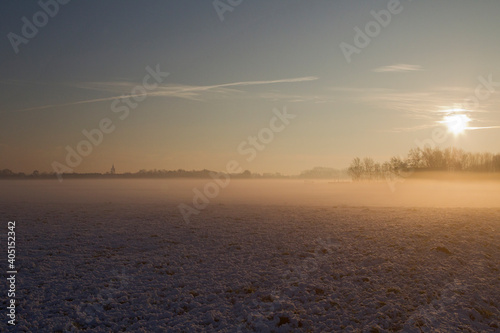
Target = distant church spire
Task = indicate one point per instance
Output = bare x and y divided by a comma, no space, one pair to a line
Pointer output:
112,169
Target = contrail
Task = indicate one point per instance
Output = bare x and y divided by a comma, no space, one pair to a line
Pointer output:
174,91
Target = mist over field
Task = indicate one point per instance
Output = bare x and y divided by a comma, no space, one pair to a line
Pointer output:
260,256
397,192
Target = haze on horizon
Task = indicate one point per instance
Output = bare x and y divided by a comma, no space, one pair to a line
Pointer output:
232,79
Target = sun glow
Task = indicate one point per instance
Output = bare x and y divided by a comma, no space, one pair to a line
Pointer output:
456,123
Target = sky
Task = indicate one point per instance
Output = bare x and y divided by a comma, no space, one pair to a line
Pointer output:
277,86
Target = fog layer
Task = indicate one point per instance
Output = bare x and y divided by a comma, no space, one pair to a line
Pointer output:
395,193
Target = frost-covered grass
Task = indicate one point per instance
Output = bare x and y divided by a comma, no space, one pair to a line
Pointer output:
105,267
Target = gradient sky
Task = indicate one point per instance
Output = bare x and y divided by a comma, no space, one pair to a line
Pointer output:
226,77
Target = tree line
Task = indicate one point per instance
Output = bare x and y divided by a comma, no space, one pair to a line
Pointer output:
180,173
417,159
424,159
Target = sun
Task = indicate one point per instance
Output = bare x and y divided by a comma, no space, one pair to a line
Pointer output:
456,123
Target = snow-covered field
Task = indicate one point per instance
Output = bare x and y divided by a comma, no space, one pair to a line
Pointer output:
123,259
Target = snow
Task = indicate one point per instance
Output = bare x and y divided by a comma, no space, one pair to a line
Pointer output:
112,265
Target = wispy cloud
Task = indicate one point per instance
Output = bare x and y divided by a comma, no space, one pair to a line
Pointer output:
412,128
297,98
398,68
480,128
251,83
173,90
180,89
426,106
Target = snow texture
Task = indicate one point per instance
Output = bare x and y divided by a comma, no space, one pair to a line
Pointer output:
110,267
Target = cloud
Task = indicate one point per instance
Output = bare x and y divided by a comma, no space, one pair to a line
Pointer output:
425,106
421,103
296,98
180,90
251,83
480,128
398,68
174,90
412,129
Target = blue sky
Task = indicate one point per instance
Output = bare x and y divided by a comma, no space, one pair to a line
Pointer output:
226,77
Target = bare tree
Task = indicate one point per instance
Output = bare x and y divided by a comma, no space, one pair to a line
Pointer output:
356,169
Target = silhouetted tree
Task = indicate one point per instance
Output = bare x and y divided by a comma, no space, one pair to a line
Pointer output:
6,172
356,169
427,158
368,167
